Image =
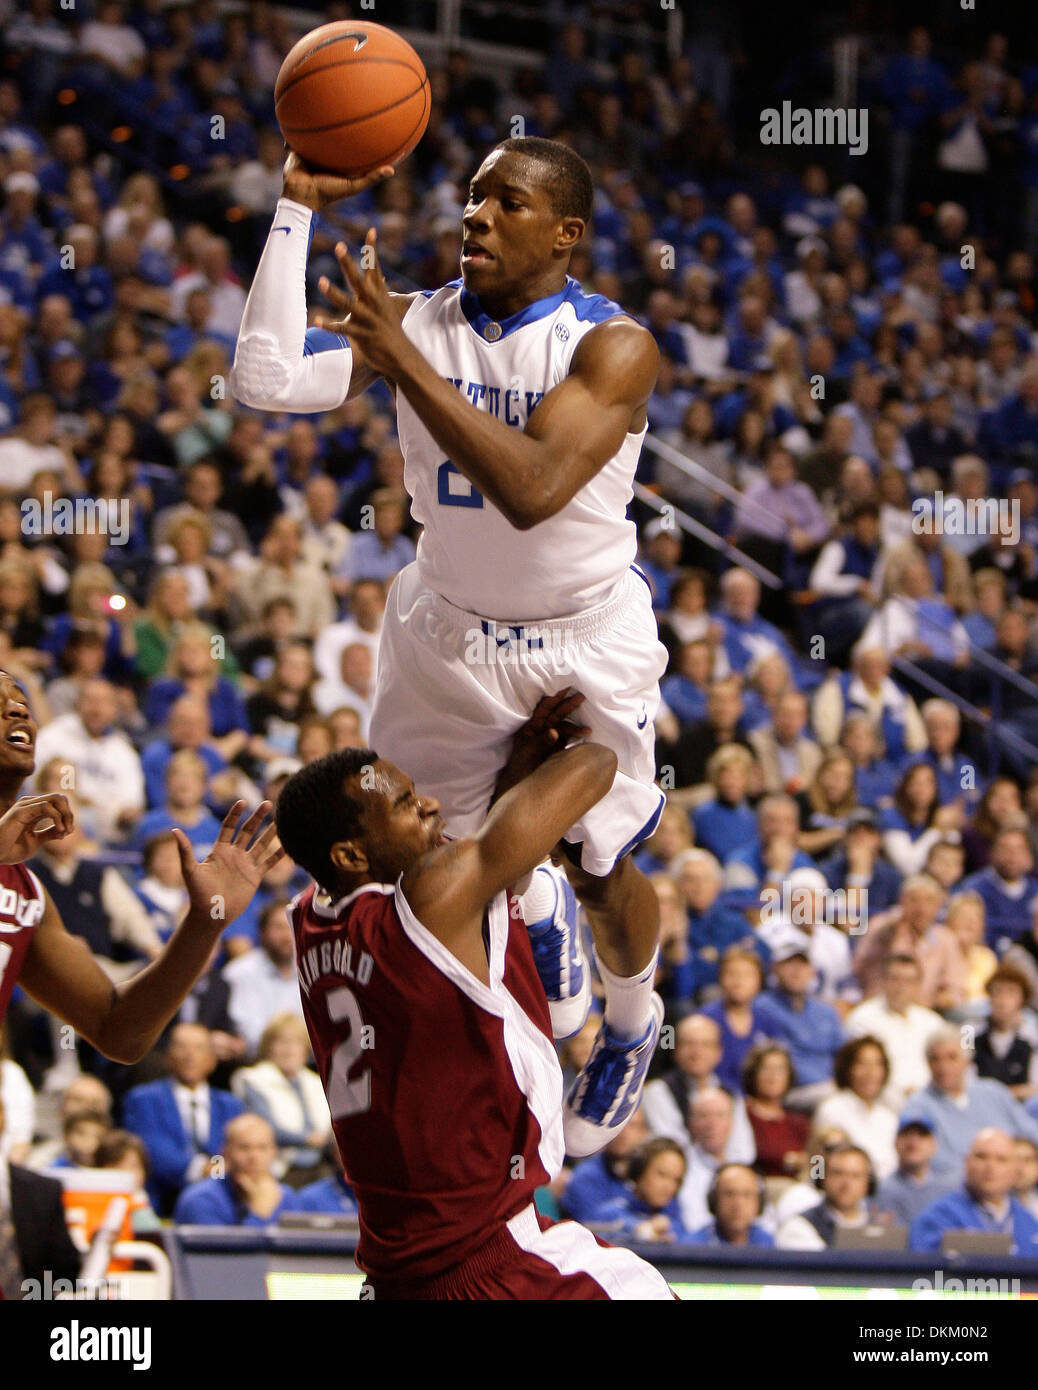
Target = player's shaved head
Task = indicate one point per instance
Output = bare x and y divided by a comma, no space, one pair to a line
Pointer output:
562,171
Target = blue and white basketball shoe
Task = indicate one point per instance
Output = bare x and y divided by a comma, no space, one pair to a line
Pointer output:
607,1090
559,957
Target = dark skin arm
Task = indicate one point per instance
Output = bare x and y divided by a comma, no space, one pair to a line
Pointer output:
531,474
124,1021
449,888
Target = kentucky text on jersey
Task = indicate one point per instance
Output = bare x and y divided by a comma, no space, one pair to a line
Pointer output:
506,404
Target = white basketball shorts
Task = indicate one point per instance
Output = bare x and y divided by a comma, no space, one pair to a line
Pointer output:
452,688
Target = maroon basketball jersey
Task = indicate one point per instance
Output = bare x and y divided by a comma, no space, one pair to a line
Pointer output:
21,909
445,1093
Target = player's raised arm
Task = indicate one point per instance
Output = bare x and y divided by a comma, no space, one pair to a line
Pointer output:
449,888
279,364
123,1021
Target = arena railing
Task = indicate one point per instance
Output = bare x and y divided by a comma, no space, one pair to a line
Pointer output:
993,727
989,723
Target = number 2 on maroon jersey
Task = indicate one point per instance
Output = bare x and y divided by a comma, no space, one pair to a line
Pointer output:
5,955
347,1097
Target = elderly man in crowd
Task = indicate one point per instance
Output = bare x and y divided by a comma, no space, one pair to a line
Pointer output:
667,1100
956,1104
913,929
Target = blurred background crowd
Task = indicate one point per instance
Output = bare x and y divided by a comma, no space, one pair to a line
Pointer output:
846,866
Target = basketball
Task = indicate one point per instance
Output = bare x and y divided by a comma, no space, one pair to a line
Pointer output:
352,96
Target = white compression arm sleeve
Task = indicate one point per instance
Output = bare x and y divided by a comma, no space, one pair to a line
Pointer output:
272,370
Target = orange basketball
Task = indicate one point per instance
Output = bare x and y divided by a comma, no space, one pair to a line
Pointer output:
351,96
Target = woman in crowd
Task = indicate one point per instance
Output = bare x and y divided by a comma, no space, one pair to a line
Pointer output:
169,608
194,669
861,1071
917,820
1000,805
967,920
20,613
282,1088
827,803
726,822
779,1134
648,1210
277,709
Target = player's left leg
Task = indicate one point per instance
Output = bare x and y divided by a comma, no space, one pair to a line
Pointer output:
616,666
623,913
550,912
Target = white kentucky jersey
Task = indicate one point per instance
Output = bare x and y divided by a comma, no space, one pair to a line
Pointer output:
469,553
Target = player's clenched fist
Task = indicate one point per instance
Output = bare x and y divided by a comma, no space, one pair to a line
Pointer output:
31,822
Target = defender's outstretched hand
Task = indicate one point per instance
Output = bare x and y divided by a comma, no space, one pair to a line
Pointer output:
223,884
31,822
316,190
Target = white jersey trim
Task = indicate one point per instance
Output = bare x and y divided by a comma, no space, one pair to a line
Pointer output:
324,908
531,1054
40,890
572,1249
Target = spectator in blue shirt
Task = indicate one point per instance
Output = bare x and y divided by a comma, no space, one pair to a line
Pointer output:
726,822
1008,887
740,977
791,1015
772,856
685,692
597,1182
648,1208
957,1104
1013,427
661,561
736,1203
713,925
188,726
186,778
957,776
192,669
857,862
984,1202
328,1196
249,1195
380,551
911,1187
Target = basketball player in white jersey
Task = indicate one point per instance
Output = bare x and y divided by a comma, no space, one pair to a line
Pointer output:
521,410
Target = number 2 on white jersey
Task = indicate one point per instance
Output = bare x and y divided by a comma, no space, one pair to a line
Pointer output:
347,1097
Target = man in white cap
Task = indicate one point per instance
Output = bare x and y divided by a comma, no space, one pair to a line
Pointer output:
805,903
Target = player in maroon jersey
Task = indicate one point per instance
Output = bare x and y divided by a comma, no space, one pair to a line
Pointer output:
57,969
430,1025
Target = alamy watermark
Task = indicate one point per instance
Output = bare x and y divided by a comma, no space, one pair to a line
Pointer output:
825,125
940,1287
967,516
806,906
501,644
78,516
